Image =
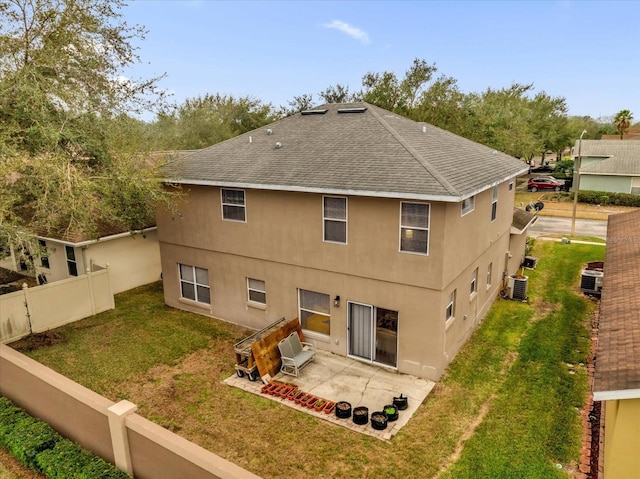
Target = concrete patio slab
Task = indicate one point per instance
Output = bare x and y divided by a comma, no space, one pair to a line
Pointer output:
337,378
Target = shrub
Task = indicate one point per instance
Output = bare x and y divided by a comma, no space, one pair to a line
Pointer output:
608,198
39,447
29,438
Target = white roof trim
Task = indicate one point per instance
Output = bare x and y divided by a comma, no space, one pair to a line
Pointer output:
338,191
99,240
615,395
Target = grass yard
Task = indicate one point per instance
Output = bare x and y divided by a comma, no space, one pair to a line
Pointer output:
506,408
561,205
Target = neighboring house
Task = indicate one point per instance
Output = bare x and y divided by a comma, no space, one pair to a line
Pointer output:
133,258
389,239
609,165
617,364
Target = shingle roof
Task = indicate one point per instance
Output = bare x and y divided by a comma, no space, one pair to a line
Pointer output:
617,371
373,153
621,157
522,219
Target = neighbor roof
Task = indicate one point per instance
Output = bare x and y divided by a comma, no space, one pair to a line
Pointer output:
619,157
355,149
617,370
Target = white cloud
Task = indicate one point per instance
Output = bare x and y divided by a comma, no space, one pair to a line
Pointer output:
353,32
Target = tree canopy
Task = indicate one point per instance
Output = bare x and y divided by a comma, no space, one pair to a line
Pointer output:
70,156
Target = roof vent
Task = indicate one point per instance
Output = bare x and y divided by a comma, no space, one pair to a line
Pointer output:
278,145
424,128
313,112
269,131
352,110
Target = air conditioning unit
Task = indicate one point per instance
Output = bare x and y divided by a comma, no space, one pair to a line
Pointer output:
530,262
591,282
517,287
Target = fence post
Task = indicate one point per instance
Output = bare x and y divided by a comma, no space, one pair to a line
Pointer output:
119,439
27,300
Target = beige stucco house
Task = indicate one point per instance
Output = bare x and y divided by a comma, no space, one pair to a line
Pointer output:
389,239
617,366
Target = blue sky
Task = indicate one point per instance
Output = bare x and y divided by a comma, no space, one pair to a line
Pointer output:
584,51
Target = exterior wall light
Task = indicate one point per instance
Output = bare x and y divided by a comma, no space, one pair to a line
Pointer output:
336,301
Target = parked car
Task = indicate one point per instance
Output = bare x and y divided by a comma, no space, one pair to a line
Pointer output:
543,169
545,183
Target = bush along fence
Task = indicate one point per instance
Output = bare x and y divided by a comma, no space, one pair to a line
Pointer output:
608,198
36,445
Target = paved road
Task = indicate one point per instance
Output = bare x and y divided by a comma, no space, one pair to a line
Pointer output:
552,225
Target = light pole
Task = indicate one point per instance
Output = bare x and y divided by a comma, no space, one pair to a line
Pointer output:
576,184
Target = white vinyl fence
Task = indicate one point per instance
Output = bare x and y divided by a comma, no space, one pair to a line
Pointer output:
51,305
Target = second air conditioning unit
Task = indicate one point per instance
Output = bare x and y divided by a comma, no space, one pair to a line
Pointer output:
591,282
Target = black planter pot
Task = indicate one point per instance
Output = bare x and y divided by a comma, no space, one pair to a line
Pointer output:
400,402
361,415
391,412
379,420
343,409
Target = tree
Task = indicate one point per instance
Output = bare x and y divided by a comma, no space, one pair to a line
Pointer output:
298,104
400,96
69,153
622,120
203,121
339,94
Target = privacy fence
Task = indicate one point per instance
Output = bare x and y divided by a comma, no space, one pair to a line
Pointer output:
111,430
38,309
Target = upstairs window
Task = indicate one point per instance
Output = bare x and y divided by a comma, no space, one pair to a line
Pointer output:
494,203
414,227
194,283
335,219
233,205
467,205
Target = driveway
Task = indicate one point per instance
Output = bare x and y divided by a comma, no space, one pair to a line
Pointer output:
546,225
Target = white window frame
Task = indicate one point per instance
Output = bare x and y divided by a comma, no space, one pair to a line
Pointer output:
450,310
326,218
467,205
195,283
408,228
255,288
71,261
494,203
243,206
308,310
489,275
473,285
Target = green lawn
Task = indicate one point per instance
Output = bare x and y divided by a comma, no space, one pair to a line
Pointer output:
506,407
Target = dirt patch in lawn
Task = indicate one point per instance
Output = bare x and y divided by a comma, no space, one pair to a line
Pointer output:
38,340
15,469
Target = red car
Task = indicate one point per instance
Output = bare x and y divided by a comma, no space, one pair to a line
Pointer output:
545,183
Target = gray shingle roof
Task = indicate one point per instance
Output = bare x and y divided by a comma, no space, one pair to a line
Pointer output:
374,153
617,371
620,157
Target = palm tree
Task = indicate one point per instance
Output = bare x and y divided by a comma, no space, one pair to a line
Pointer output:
622,120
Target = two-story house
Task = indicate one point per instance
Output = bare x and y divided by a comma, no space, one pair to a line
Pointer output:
388,239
